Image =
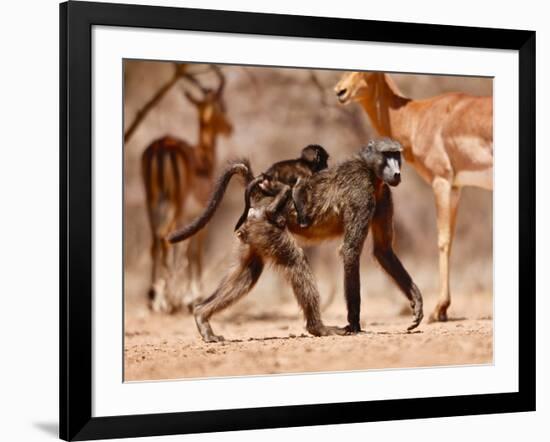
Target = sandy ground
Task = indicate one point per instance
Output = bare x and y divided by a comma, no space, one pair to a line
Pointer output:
262,342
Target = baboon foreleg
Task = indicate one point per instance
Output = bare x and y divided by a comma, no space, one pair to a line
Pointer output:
391,264
354,237
382,232
353,295
234,286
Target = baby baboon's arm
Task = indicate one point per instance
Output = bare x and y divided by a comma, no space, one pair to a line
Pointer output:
273,210
299,197
247,195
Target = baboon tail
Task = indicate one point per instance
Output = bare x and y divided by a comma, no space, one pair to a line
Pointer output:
238,167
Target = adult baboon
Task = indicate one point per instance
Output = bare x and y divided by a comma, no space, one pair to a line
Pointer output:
282,179
347,200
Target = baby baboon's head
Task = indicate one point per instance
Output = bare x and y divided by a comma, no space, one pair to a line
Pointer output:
316,156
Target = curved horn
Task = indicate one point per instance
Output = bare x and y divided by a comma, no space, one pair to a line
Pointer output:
221,77
192,99
192,80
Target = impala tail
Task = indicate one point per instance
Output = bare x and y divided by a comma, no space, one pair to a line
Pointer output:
237,167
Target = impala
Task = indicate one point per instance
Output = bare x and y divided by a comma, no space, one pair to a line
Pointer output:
178,178
448,139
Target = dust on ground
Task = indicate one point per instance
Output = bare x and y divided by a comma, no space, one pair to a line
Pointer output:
169,347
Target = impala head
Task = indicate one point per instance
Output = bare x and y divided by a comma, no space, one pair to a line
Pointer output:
211,106
354,86
383,156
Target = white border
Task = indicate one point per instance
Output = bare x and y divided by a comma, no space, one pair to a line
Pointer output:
112,397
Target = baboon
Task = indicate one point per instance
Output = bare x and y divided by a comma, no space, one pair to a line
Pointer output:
346,200
284,178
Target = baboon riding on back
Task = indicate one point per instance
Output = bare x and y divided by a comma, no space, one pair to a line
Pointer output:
344,200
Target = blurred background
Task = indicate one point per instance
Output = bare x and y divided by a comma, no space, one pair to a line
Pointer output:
275,112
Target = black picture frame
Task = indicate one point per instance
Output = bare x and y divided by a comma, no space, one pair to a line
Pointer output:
76,21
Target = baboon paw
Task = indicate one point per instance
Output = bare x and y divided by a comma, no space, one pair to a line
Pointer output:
352,329
324,330
332,330
213,338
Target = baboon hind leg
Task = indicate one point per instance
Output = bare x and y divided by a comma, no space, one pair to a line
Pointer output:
234,286
281,247
382,232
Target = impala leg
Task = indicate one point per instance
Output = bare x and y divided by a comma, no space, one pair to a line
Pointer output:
154,270
196,263
447,199
186,270
157,300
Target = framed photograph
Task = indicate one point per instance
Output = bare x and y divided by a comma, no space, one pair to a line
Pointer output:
322,166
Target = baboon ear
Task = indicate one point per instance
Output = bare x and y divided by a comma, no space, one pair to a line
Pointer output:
367,152
309,154
368,149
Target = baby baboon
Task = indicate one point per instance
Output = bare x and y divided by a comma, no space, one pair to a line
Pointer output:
282,179
345,200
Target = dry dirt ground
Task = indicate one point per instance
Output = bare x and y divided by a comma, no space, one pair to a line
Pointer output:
268,342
